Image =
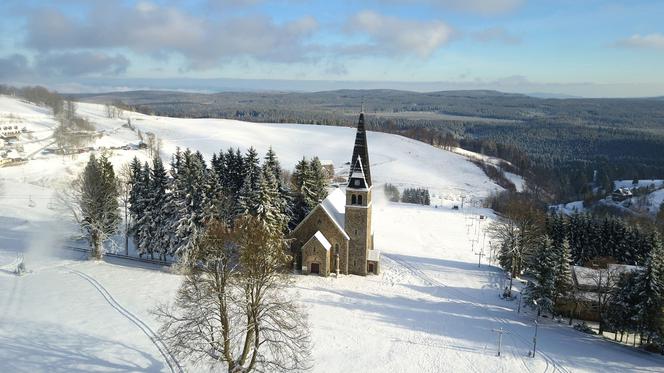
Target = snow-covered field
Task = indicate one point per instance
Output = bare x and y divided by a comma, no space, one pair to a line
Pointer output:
431,310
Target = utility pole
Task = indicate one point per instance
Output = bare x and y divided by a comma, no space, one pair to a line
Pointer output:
462,198
479,258
500,332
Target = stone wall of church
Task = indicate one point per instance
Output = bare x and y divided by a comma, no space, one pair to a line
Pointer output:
318,220
314,252
358,226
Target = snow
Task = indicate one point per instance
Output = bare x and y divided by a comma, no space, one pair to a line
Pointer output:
643,183
323,241
432,309
335,204
569,208
518,181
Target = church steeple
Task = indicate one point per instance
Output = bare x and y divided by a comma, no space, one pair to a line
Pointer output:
359,163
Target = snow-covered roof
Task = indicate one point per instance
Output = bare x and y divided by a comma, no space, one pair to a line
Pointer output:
589,277
323,241
335,206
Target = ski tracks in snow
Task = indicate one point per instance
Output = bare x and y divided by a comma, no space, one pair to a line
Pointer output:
417,272
173,364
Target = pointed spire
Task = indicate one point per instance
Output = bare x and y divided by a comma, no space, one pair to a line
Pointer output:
360,160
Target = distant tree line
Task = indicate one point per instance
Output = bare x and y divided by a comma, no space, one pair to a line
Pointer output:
392,192
419,196
556,144
37,95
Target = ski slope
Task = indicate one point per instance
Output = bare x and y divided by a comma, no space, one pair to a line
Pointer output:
432,309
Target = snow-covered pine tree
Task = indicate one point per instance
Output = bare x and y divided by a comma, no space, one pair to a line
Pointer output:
319,180
159,184
649,286
271,164
303,188
542,264
621,314
270,209
189,188
137,185
168,233
213,206
144,227
99,202
248,199
562,270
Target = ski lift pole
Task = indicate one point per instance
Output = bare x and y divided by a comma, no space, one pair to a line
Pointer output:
536,327
500,332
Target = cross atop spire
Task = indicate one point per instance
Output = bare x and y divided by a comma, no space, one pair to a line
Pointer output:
359,163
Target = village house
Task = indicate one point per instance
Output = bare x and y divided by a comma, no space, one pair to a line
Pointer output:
336,236
590,286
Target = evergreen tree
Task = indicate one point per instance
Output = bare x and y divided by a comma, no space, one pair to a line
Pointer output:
271,165
189,190
159,197
542,268
318,180
144,228
213,207
562,271
621,313
270,209
248,198
99,202
137,185
303,188
649,286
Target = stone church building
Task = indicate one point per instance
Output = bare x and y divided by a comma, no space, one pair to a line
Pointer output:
336,236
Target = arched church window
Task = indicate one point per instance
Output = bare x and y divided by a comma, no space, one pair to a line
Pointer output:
353,200
359,199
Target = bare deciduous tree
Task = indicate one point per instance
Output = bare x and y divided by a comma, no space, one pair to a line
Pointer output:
233,308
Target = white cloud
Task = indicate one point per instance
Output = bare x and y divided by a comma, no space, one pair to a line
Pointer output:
485,7
392,35
650,41
496,34
80,63
160,31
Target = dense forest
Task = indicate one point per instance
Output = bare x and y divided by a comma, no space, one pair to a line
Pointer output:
556,143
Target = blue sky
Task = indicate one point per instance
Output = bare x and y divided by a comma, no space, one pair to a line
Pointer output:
586,48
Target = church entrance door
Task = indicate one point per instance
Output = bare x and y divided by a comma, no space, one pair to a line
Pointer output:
315,268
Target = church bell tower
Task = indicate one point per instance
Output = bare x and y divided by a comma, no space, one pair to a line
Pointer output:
358,207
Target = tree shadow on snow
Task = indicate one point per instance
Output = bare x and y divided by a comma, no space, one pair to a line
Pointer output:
45,347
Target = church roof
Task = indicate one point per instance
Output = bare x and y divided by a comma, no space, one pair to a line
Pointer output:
335,206
361,152
323,241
